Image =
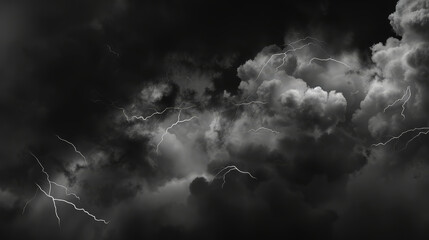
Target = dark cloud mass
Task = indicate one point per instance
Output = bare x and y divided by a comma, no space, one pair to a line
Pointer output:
214,119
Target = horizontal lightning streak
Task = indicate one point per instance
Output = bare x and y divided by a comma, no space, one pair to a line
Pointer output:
228,169
263,128
151,115
246,104
304,39
249,103
327,60
420,130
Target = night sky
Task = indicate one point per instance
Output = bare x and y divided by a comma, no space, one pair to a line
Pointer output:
127,119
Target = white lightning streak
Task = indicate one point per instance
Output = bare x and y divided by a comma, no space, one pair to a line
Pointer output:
246,104
419,134
43,170
249,103
303,39
67,190
72,204
228,169
283,59
420,130
74,147
28,202
264,128
48,194
172,125
53,202
151,115
407,93
294,49
327,60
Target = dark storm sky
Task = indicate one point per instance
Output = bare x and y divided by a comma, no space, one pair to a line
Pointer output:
81,69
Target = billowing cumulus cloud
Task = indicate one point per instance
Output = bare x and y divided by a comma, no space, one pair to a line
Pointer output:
411,19
314,107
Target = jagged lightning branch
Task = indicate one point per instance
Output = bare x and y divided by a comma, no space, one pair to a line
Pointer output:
249,103
54,200
407,93
66,190
420,131
227,170
172,125
143,118
284,54
72,204
28,202
74,147
44,172
303,39
327,60
263,128
294,49
419,134
111,50
246,104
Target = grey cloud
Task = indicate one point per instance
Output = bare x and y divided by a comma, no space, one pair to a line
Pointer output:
411,18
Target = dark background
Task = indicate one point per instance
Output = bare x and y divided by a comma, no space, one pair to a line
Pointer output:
57,76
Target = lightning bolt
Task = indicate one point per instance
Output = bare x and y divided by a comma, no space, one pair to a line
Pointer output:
54,200
263,128
66,190
284,54
227,170
143,118
419,134
304,39
420,131
249,103
43,171
74,147
245,104
112,51
28,202
72,204
407,93
174,124
294,49
327,60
